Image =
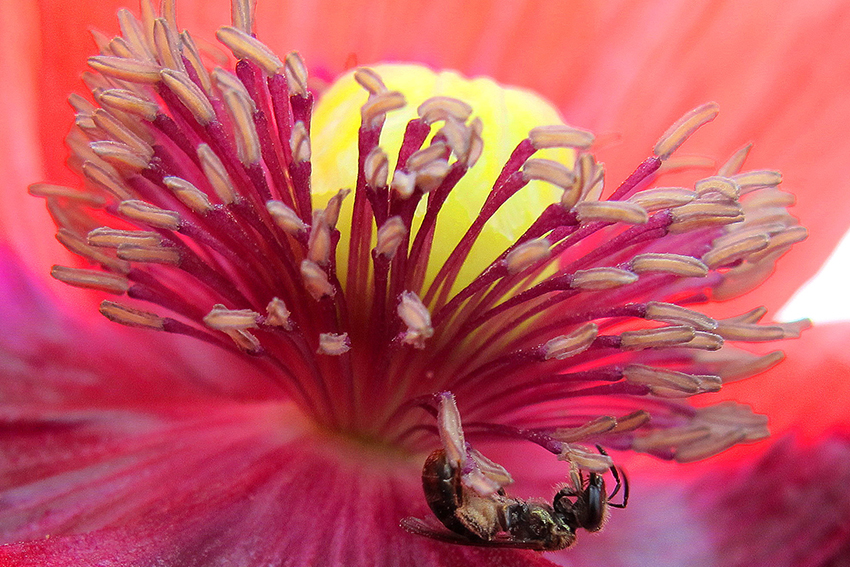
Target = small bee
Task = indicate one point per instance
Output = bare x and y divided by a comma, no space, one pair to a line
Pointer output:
499,520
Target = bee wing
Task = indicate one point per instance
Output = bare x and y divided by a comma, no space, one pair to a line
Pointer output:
421,527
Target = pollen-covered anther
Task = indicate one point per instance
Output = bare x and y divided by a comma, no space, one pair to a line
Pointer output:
78,246
189,195
132,70
130,317
221,318
611,211
216,174
150,215
242,15
550,171
574,343
404,183
735,250
704,340
376,108
244,130
598,426
369,80
131,30
118,131
723,186
245,46
319,244
758,179
745,332
91,279
120,155
527,254
485,476
106,180
602,278
316,280
676,264
666,383
334,344
439,108
676,314
682,129
113,237
190,94
416,317
150,254
225,80
296,73
299,143
585,459
560,136
390,236
48,190
278,315
734,164
286,219
450,429
167,45
704,214
781,241
662,198
376,168
656,338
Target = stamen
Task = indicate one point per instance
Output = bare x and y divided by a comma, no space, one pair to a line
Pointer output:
130,317
376,167
120,155
704,341
656,338
113,238
451,432
611,211
131,70
279,315
676,135
598,426
78,246
720,185
247,141
439,108
333,344
560,136
244,46
167,45
221,318
296,74
602,278
287,219
154,255
527,254
669,383
190,94
585,459
374,111
299,143
242,15
738,250
316,280
565,346
736,162
676,264
701,214
752,180
106,180
390,236
416,317
91,279
115,129
549,171
369,80
675,314
662,198
133,34
189,195
216,174
48,190
150,215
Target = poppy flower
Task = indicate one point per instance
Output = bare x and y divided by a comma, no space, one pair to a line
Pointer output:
119,453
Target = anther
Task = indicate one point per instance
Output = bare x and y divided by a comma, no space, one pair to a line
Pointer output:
703,340
189,195
48,190
131,70
190,94
333,344
118,131
113,237
667,383
598,426
702,214
404,183
527,254
676,314
225,80
244,130
752,180
133,34
299,143
390,236
680,131
450,429
130,317
420,159
316,280
376,167
79,246
676,264
91,279
104,179
662,198
244,46
656,338
375,109
571,344
550,171
369,80
560,136
150,255
585,459
602,278
721,185
216,174
439,108
736,250
749,333
611,211
149,214
221,318
285,218
191,53
296,73
120,155
279,315
167,45
416,317
736,162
